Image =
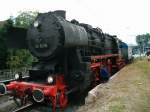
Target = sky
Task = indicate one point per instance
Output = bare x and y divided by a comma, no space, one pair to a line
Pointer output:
124,18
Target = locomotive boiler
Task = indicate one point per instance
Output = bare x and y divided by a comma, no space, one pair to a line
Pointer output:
72,56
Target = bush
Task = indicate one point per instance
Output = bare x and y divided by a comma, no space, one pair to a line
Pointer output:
19,58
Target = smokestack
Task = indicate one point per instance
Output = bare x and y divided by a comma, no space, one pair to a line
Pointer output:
61,13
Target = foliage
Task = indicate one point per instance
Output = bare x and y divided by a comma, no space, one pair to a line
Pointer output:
15,58
143,40
24,19
19,58
3,47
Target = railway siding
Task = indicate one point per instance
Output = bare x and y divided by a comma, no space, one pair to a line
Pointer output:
126,92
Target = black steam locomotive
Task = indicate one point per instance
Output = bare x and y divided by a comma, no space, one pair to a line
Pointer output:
72,57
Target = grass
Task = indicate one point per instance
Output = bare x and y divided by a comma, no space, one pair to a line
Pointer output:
135,91
129,91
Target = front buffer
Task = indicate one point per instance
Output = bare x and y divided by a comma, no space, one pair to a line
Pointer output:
38,93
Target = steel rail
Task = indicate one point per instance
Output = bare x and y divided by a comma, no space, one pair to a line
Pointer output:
23,108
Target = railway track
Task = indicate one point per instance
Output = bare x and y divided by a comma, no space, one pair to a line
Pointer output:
8,100
27,107
8,105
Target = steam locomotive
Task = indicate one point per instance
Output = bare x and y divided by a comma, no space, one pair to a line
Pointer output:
72,56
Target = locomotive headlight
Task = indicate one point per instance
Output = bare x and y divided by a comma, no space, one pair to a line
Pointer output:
36,23
50,79
16,76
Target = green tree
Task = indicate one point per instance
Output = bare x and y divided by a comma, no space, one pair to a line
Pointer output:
24,19
143,41
15,58
21,57
3,48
